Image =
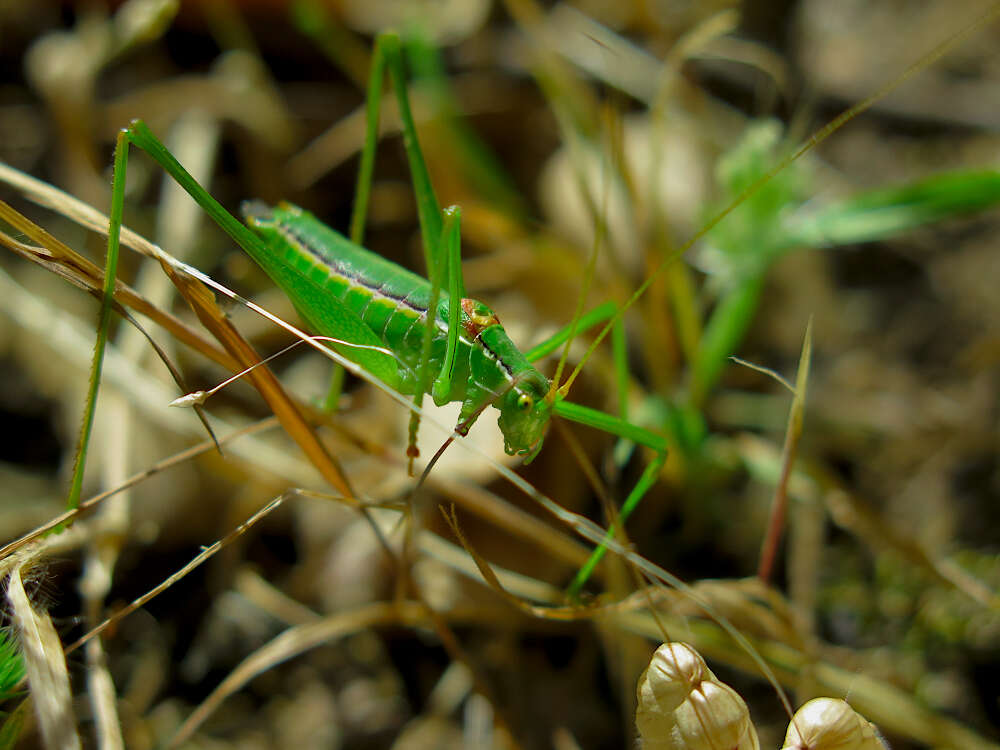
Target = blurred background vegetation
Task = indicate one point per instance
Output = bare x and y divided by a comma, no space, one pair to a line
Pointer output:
558,127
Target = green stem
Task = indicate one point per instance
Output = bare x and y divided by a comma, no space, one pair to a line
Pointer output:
104,319
647,480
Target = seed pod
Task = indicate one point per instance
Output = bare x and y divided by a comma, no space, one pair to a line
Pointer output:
670,677
831,724
682,706
714,717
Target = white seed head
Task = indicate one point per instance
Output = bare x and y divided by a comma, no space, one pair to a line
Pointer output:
831,724
191,399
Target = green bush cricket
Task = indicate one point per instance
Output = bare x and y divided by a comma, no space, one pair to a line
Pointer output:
379,315
424,368
380,311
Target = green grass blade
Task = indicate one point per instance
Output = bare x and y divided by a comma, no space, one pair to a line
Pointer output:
104,320
722,335
335,389
620,356
11,665
882,213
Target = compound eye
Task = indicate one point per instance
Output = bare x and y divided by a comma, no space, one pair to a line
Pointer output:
479,314
481,317
525,402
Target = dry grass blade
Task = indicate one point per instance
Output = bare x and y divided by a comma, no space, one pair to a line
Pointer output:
511,519
103,698
202,301
60,259
45,666
793,434
65,261
74,268
88,505
74,209
551,612
204,555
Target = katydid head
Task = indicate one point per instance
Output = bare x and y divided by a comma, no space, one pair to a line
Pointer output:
525,413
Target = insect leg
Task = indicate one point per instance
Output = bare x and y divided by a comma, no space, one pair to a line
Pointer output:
432,226
456,293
